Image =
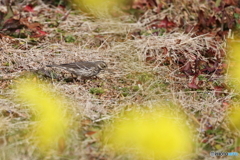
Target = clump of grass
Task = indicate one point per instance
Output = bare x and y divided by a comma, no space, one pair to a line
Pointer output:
70,39
141,77
96,91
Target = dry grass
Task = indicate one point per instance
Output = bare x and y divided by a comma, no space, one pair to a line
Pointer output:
133,81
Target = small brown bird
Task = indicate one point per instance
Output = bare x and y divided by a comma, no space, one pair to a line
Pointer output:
83,69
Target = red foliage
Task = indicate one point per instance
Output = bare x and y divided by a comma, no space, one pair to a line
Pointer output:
28,8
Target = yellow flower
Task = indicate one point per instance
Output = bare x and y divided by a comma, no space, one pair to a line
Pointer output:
152,134
50,113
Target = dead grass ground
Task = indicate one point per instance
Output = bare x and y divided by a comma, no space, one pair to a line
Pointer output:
131,81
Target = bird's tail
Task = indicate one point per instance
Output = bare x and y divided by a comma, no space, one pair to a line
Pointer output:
51,65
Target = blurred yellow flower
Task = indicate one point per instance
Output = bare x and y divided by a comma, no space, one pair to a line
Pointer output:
100,8
50,113
235,117
157,134
234,62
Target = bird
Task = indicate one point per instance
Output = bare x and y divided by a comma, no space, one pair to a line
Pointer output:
83,69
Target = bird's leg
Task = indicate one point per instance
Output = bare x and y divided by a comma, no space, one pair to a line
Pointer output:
81,79
73,78
96,77
84,80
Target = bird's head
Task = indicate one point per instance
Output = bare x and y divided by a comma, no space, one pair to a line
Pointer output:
101,65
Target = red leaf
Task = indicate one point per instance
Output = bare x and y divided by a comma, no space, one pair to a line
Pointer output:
62,7
39,33
205,140
165,50
162,24
201,19
90,133
165,23
42,33
237,10
28,8
218,88
187,67
193,84
151,59
231,2
225,104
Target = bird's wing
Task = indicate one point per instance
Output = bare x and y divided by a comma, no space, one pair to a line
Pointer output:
69,65
81,65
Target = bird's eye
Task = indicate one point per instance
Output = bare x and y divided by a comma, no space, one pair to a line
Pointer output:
104,65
